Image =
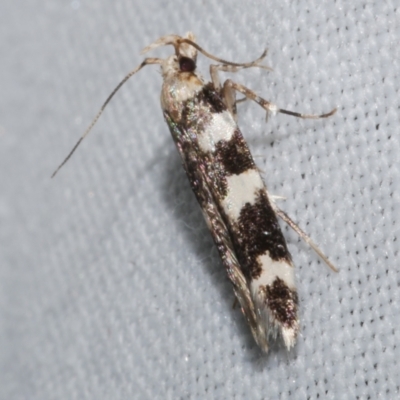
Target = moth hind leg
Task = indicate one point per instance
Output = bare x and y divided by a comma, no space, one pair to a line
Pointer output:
282,215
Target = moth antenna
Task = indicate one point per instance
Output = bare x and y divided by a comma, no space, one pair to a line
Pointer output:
146,61
255,63
176,41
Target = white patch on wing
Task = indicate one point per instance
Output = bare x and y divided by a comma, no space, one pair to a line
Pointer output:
271,270
220,127
242,189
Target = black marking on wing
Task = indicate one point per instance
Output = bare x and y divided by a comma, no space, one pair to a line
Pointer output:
258,232
211,97
234,155
283,303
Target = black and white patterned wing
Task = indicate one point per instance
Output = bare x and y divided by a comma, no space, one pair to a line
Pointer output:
199,181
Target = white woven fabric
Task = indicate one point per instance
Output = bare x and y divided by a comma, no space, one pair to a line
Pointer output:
110,285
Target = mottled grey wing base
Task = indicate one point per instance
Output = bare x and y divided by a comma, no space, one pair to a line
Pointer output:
199,181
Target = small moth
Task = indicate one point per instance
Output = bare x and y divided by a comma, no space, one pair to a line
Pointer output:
242,218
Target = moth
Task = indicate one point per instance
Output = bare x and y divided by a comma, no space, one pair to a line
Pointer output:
241,216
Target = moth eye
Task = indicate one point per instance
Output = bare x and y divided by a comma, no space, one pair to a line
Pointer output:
187,64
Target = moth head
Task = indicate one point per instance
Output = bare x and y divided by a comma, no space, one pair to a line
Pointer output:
184,59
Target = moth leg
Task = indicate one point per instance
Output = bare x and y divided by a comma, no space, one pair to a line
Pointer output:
303,235
230,85
227,94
